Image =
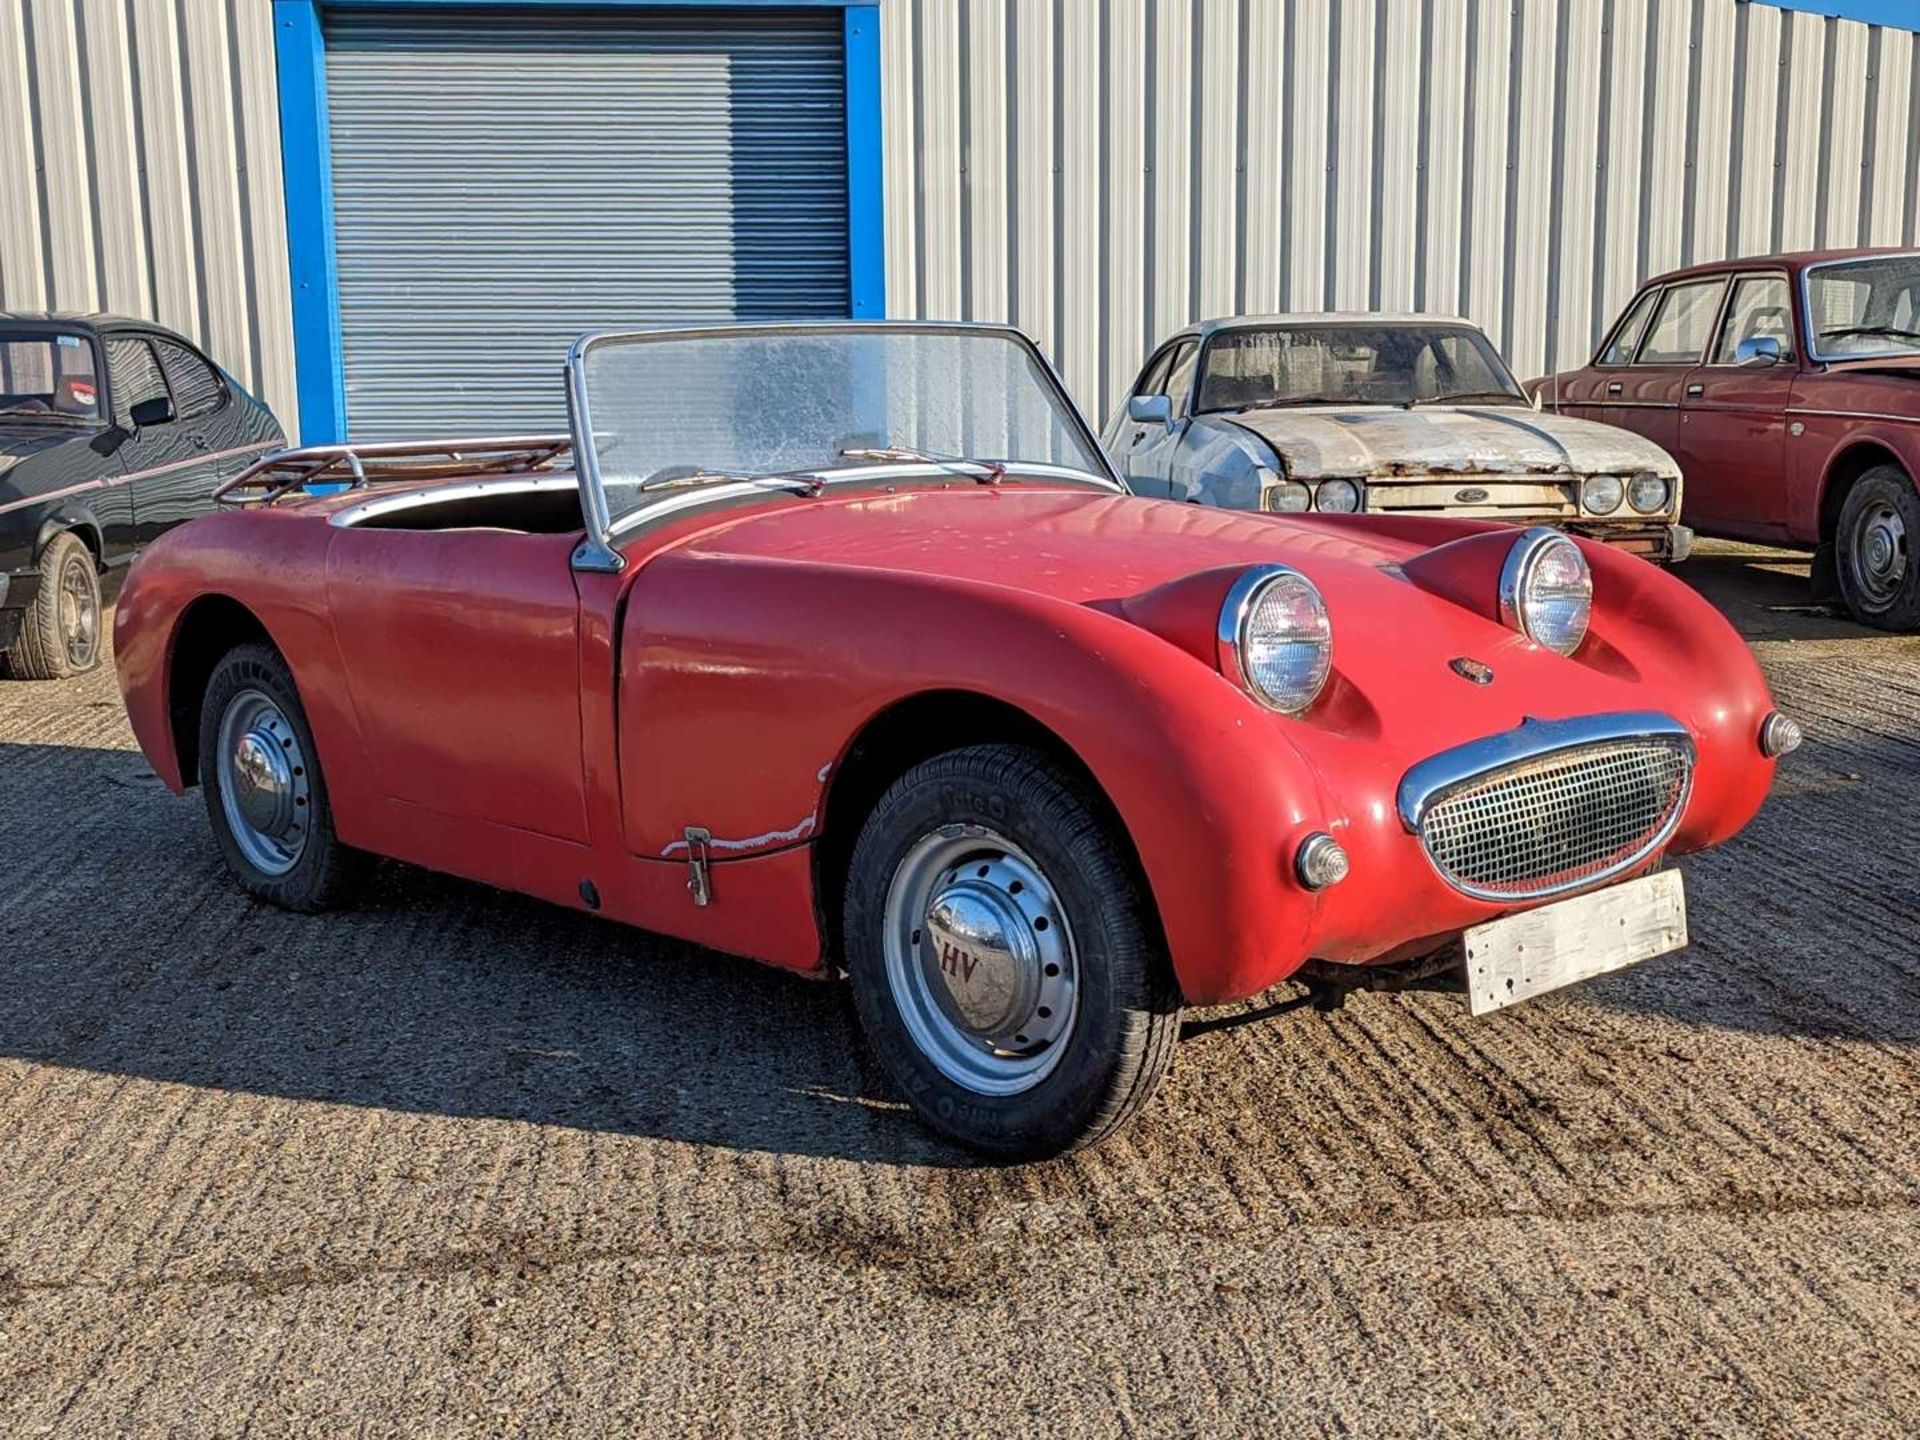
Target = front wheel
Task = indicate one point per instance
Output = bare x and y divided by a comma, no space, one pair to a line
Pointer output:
1005,959
1874,550
266,795
60,633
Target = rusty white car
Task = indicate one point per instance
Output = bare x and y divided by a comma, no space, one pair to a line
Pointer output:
1382,414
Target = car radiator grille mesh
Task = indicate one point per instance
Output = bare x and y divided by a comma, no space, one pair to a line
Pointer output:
1559,821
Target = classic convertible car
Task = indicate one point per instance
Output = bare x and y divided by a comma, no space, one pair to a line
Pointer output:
1387,415
842,647
1789,387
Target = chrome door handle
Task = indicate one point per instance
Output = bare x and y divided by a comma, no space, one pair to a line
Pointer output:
1695,390
1613,387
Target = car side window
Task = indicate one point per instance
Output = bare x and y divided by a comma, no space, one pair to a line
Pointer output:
1682,324
1180,377
196,385
135,375
1761,310
1626,339
1154,377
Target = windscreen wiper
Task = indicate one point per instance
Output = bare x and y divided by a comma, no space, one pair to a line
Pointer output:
987,472
673,477
1462,396
1847,330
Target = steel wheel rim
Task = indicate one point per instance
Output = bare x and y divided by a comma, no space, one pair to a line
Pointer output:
1880,552
265,787
79,612
981,960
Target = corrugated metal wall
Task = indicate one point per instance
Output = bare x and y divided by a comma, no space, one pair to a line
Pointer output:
140,173
1101,174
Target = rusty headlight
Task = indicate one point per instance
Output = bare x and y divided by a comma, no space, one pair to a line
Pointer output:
1275,640
1279,493
1649,493
1601,494
1546,590
1337,497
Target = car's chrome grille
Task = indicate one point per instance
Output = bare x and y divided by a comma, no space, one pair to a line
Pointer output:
1558,821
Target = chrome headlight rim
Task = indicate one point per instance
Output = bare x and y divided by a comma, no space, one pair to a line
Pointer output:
1666,493
1591,504
1243,596
1523,559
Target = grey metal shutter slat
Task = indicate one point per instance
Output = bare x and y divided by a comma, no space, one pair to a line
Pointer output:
503,182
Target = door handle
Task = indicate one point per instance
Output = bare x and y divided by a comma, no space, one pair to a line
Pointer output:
1138,436
1695,390
1613,387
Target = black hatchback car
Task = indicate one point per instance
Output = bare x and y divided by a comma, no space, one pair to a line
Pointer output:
111,431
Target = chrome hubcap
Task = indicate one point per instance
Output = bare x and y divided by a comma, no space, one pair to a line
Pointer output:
264,786
980,959
79,612
1880,552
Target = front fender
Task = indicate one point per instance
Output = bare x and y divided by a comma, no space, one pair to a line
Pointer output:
744,681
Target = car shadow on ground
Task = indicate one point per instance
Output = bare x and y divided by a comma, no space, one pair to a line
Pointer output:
132,952
1767,593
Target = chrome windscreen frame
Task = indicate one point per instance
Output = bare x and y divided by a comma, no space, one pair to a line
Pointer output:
598,552
1805,297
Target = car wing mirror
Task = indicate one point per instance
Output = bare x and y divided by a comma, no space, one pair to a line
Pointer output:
1150,410
156,411
1760,350
108,440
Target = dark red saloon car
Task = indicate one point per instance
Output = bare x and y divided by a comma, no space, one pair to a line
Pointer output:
1788,388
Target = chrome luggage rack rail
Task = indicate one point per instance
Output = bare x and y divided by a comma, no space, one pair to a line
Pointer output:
353,466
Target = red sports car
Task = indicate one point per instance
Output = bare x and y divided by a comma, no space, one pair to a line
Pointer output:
1788,388
842,647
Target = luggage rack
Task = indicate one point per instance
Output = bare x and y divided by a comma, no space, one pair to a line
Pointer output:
350,466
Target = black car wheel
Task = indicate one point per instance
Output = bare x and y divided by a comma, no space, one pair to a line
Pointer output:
1874,550
1006,963
60,633
266,796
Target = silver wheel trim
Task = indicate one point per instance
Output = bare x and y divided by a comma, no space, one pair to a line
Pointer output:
1880,555
265,783
1001,1027
79,612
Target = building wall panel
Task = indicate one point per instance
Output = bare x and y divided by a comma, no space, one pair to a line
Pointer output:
1523,162
140,170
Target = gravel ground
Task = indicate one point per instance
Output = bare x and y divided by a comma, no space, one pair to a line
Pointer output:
457,1163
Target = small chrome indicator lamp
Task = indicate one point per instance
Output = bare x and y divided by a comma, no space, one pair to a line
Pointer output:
1779,735
1320,861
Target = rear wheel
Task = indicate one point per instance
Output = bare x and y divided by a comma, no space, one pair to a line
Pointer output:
266,796
1006,964
60,632
1874,550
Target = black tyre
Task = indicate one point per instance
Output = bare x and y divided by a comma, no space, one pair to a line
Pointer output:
60,632
1874,550
266,796
1008,969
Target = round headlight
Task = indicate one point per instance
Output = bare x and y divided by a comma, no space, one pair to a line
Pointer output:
1288,496
1338,497
1276,642
1601,494
1546,590
1648,493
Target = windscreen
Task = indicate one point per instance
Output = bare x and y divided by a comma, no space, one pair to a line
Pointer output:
683,409
1364,363
1866,307
47,378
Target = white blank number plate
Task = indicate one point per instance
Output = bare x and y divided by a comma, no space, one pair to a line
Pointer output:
1526,955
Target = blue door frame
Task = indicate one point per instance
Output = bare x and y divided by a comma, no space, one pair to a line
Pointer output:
300,54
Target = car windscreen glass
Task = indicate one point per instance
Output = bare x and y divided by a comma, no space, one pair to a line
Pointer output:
1364,363
48,376
1865,307
690,407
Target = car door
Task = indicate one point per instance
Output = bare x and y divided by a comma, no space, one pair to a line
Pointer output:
201,455
133,379
1733,441
461,653
1144,452
1645,397
1585,392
